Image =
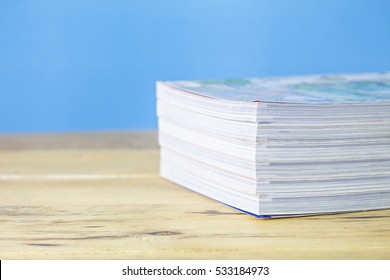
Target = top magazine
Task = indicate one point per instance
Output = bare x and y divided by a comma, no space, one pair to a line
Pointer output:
280,146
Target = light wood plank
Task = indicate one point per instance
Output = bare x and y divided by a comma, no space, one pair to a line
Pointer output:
110,203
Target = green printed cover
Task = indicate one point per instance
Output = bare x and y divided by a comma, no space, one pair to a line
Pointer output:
368,87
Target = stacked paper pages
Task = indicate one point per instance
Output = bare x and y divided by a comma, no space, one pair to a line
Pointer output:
280,146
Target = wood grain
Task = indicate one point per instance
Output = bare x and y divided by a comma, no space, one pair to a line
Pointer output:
68,201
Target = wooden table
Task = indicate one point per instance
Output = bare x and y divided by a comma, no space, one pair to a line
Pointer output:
100,196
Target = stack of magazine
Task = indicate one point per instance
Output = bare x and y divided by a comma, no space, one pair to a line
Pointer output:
281,146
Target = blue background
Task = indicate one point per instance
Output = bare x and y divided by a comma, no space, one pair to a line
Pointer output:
92,65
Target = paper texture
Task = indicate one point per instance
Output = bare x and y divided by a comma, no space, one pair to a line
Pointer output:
373,87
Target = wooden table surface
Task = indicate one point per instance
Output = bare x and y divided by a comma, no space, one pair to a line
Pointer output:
100,196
